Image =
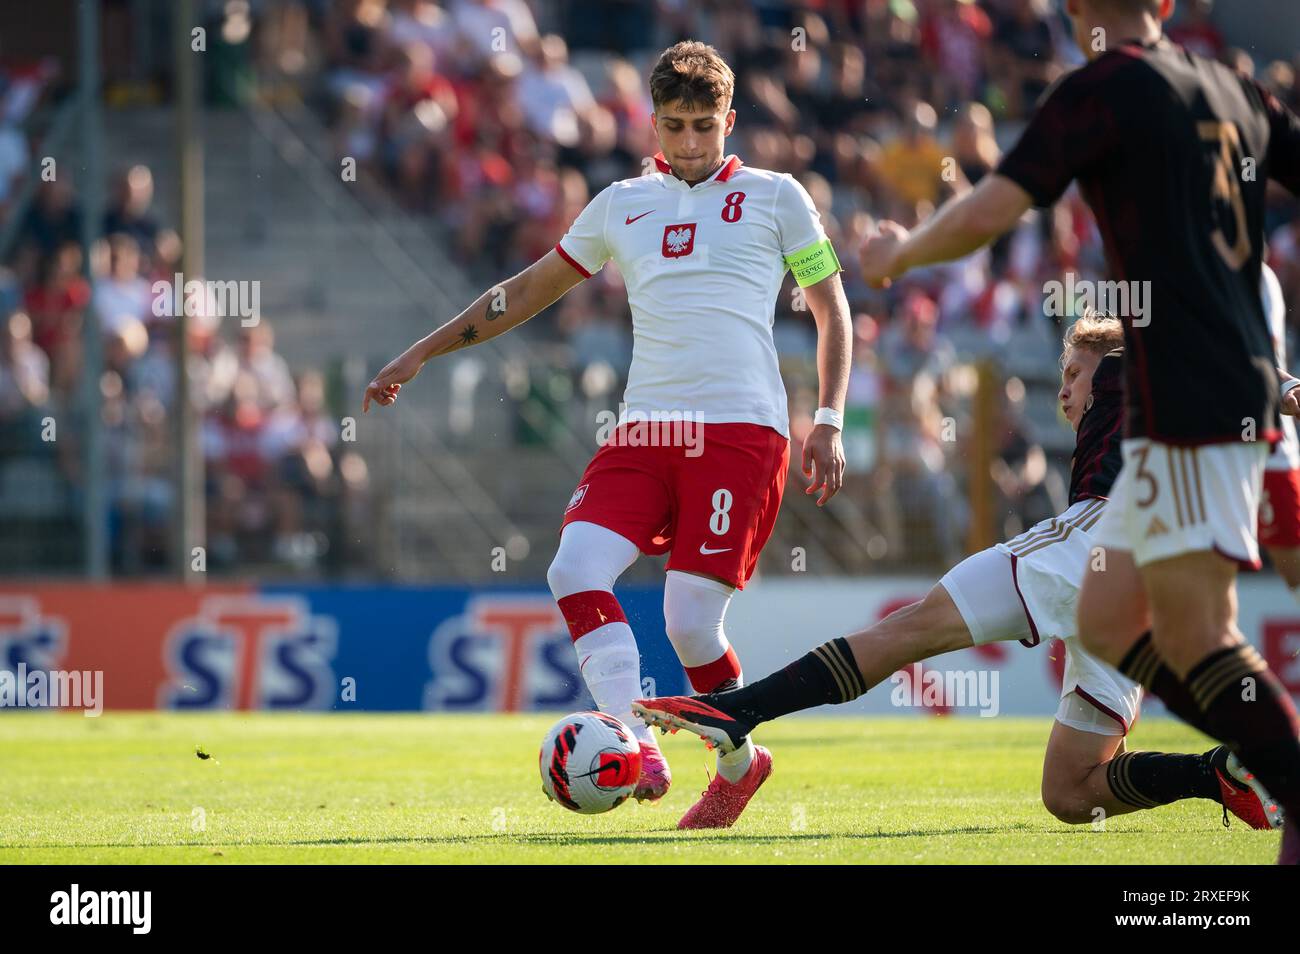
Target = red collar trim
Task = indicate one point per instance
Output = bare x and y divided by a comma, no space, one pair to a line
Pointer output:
728,169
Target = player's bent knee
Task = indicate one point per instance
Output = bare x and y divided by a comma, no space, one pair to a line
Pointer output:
564,575
1066,803
934,623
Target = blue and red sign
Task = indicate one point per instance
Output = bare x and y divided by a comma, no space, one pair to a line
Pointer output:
319,648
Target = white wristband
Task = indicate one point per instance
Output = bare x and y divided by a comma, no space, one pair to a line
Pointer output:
828,415
1286,388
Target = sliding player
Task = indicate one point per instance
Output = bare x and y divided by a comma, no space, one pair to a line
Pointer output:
1172,152
703,243
1024,590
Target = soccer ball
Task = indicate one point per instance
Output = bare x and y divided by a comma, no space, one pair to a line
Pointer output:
590,762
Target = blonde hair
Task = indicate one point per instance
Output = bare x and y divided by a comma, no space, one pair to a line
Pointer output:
1095,330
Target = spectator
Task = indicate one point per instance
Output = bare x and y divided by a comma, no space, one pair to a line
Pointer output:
24,384
56,303
912,165
129,213
1195,32
1020,470
14,160
266,378
554,97
297,445
53,219
122,295
418,113
496,26
974,145
953,38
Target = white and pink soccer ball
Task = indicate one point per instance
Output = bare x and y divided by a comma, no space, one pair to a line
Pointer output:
590,762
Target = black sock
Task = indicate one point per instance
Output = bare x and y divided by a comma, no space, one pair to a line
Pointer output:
1248,709
824,676
1148,779
1143,665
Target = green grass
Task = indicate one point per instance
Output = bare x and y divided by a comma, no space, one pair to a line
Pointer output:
128,788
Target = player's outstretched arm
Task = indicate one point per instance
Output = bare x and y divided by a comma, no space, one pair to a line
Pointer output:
497,310
823,451
962,225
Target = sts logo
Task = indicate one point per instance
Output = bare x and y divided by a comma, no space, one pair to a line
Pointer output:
27,638
251,652
505,654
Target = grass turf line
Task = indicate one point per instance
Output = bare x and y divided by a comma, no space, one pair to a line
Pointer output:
373,788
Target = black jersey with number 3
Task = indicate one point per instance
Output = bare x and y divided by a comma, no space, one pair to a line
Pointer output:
1172,152
1097,457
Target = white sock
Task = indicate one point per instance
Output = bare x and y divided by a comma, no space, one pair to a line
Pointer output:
590,558
694,608
734,766
610,664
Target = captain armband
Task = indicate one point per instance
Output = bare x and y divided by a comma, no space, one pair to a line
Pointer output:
813,263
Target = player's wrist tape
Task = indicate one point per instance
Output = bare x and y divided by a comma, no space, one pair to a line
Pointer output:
813,263
828,415
1290,386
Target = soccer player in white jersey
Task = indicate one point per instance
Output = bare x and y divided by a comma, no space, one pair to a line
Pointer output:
703,243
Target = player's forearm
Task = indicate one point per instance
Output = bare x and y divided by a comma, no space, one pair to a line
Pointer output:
951,233
496,311
965,223
834,347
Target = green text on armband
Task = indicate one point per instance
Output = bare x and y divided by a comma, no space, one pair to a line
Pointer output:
810,265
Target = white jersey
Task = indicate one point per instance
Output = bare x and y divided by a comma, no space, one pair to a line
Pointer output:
703,266
1286,456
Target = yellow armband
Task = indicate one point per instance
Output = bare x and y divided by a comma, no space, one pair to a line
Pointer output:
810,265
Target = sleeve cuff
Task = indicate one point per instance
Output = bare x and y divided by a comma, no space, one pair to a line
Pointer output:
572,261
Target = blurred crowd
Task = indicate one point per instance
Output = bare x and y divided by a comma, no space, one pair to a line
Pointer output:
274,472
501,118
498,120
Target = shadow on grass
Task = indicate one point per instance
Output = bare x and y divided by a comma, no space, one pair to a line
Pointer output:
558,839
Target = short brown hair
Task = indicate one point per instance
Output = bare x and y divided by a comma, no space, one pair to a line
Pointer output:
694,73
1095,330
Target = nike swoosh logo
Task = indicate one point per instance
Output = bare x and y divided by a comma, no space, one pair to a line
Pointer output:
630,219
705,551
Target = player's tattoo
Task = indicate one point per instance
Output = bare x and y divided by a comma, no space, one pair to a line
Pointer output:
495,309
465,337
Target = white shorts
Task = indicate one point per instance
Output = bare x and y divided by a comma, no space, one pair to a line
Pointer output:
1028,589
1170,500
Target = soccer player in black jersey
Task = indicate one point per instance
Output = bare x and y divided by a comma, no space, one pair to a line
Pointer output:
1172,152
1025,589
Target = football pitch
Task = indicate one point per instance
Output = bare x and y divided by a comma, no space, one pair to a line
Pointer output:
341,788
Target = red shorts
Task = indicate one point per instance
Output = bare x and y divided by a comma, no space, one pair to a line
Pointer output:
1279,509
713,512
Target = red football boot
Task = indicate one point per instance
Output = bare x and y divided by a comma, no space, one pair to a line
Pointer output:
723,801
1245,797
705,716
